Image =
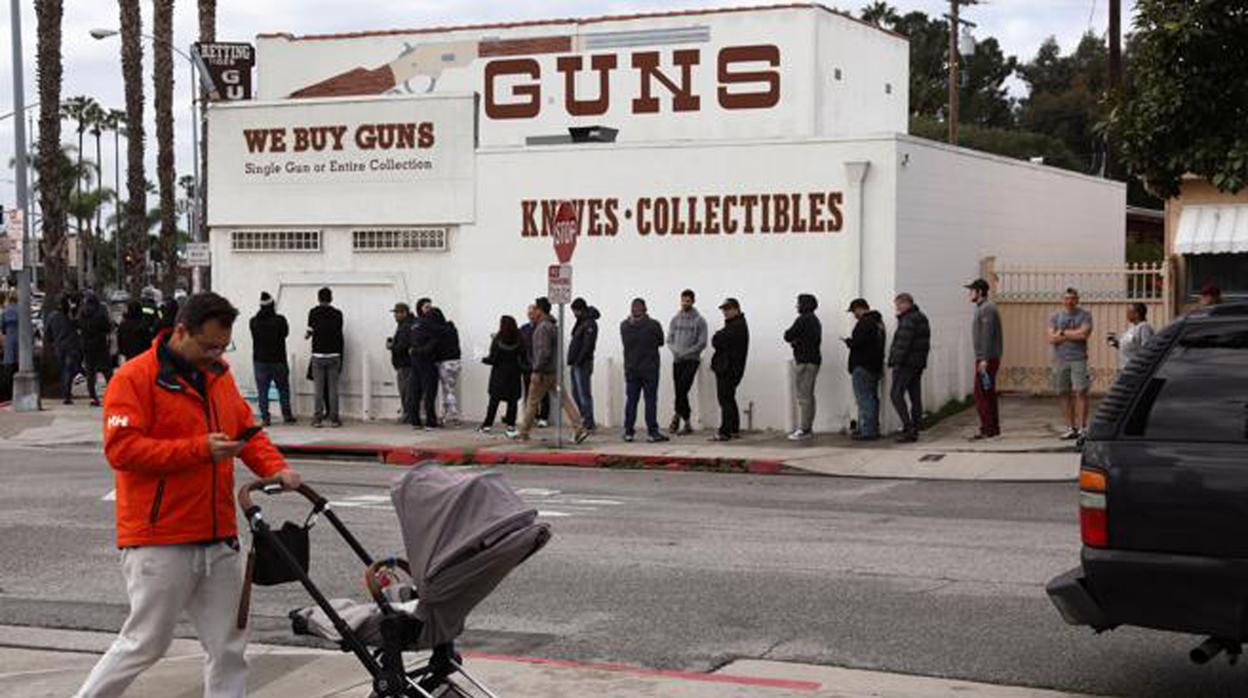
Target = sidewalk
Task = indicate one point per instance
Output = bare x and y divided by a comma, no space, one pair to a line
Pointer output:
1029,450
50,663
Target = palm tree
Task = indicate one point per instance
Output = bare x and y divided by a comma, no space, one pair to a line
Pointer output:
48,15
207,34
115,121
80,109
162,79
136,207
97,119
880,13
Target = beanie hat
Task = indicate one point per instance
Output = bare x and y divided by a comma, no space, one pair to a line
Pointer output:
265,298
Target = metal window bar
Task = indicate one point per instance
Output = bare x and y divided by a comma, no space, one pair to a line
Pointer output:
400,240
275,241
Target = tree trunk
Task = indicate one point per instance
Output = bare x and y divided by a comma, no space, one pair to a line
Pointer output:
162,79
48,65
135,237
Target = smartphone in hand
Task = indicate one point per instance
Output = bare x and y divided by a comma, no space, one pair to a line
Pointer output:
248,433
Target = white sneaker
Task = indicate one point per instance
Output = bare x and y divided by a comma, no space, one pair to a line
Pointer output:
485,430
513,434
1070,434
799,435
542,424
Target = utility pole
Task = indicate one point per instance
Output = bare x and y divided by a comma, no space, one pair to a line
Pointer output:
955,24
26,382
1114,89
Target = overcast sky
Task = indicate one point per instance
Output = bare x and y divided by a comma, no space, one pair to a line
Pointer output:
93,67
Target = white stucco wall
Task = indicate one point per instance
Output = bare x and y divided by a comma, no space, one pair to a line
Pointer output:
956,206
491,270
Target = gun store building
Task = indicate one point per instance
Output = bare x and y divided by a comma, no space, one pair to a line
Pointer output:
755,153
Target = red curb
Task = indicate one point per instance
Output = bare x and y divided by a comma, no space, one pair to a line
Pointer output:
404,456
730,679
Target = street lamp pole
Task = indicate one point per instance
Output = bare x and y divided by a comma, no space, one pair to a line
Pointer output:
26,382
196,115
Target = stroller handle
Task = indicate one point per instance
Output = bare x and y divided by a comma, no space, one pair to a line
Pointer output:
273,485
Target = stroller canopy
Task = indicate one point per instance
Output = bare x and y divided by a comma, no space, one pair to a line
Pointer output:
464,532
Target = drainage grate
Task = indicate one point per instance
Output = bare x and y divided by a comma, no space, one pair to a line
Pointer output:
931,457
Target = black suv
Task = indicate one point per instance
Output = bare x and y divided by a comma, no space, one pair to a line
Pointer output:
1163,490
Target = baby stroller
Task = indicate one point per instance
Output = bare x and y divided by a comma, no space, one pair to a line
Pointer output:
463,533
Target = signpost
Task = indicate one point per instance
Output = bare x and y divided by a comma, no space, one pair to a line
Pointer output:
559,290
197,254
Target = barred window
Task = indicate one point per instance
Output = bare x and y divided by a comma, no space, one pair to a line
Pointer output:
275,241
400,240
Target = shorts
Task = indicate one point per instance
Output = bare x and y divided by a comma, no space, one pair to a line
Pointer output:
1071,376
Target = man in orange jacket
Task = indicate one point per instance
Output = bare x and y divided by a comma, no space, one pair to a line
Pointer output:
172,417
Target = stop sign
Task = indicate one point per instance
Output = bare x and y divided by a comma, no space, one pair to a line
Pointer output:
566,230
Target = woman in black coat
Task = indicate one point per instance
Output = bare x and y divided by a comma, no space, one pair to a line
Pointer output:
507,363
97,327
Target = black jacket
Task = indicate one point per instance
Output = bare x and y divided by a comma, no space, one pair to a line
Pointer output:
584,338
448,343
912,341
96,328
507,363
732,346
401,343
866,344
641,339
268,336
325,322
806,337
423,343
134,336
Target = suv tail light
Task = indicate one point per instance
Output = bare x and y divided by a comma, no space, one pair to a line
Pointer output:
1093,515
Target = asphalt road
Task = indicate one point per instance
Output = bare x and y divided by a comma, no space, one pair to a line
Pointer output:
679,570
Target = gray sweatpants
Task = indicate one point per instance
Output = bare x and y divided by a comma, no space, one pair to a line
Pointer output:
162,581
806,375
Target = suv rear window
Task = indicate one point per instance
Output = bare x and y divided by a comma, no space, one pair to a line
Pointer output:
1200,392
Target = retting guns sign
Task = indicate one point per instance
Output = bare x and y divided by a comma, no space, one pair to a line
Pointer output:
566,230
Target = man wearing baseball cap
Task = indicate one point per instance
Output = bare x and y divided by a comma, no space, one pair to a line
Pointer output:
866,367
400,358
732,346
987,339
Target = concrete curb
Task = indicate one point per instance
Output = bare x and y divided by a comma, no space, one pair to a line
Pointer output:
404,456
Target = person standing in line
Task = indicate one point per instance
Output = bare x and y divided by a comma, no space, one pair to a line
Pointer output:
9,328
134,335
806,338
526,333
988,338
1137,334
1210,294
447,355
732,346
97,330
176,521
61,329
401,360
642,336
687,336
912,342
507,363
581,359
423,347
1069,329
269,331
866,367
325,331
544,377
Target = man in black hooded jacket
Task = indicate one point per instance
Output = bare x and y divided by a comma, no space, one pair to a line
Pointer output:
581,358
806,338
732,347
269,331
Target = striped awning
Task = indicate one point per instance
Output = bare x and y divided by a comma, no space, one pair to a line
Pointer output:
1212,229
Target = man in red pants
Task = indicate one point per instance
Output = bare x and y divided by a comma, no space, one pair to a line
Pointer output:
987,339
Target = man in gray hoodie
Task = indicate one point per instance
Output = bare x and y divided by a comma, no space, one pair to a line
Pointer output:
544,376
686,338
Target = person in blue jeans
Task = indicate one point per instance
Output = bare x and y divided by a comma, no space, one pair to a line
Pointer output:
61,329
269,330
581,359
866,367
642,336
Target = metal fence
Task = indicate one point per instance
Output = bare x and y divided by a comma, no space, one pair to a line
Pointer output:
1028,296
